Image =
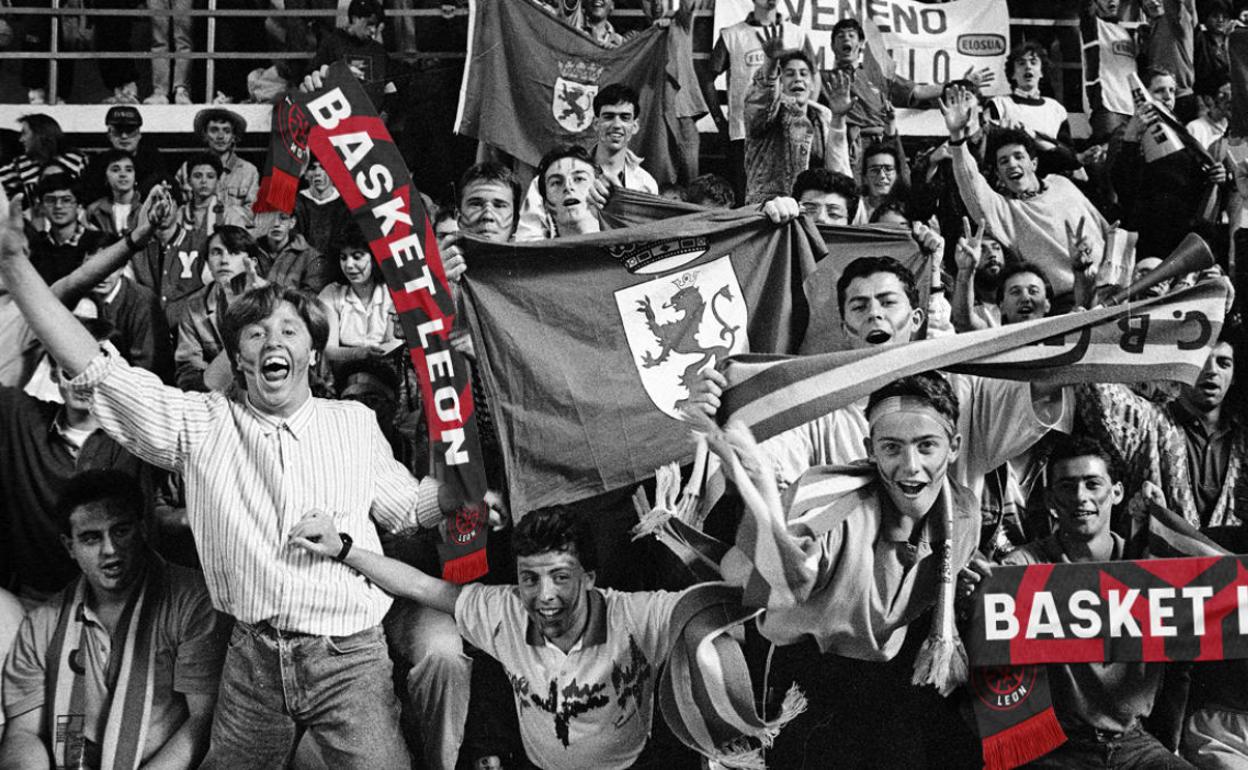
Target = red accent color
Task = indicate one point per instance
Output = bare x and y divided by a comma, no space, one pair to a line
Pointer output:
277,193
467,568
327,154
1028,651
1024,742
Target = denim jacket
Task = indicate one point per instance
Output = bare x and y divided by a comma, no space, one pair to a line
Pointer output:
779,138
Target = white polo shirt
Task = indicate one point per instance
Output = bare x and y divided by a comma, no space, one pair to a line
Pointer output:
589,707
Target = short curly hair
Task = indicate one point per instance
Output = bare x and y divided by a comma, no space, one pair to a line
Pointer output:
557,528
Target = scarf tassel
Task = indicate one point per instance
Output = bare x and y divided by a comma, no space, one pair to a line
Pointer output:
277,192
1023,742
941,662
466,568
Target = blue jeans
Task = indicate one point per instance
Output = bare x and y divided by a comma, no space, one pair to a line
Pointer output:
1133,749
277,685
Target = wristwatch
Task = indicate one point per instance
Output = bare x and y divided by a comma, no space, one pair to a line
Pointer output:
347,542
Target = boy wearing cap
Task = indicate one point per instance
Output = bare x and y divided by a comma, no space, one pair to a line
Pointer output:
124,131
582,661
220,129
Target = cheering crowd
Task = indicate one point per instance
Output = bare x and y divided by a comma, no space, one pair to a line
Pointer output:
220,531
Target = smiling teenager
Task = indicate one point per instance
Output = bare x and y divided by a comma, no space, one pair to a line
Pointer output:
252,465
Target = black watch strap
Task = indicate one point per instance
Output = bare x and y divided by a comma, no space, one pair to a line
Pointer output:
347,542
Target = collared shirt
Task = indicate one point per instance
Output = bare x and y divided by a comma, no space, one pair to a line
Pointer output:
190,641
590,706
250,477
239,183
1208,456
1101,696
360,324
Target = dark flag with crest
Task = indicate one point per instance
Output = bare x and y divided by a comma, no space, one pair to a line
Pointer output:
588,344
530,80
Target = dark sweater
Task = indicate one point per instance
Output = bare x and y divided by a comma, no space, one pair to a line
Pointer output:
35,464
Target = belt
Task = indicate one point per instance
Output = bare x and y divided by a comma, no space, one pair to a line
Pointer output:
266,629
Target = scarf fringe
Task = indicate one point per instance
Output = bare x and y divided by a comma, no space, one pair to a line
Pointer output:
466,568
277,192
1024,742
793,706
740,755
941,662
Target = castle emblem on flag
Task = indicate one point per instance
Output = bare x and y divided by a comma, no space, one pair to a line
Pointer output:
680,324
574,92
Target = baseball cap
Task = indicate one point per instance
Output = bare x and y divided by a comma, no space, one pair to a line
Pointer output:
123,115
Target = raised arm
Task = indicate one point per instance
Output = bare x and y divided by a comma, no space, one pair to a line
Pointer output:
967,255
316,534
106,260
982,202
62,335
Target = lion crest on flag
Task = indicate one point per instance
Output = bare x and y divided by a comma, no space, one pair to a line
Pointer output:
680,324
574,92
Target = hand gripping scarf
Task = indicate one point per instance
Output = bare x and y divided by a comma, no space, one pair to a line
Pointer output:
340,126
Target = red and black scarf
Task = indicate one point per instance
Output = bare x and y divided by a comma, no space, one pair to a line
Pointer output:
340,126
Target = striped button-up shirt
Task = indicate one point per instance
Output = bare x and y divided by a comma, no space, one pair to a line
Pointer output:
250,477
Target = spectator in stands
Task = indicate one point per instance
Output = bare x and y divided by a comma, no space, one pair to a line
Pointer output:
1100,706
358,45
1163,197
173,262
141,331
81,635
125,125
1024,107
1143,267
44,445
981,262
1025,293
566,178
874,97
1211,56
885,174
445,222
43,144
358,305
786,131
320,215
616,114
826,197
289,259
1194,449
117,212
587,636
738,52
935,192
220,130
18,349
204,210
238,483
60,248
1109,59
1211,126
711,191
233,260
1169,44
175,20
597,23
1030,216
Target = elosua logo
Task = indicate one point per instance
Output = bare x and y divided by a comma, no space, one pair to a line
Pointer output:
981,45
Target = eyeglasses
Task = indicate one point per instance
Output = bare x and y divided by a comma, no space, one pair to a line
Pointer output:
881,170
59,200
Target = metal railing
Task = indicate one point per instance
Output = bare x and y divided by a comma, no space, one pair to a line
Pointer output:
212,13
